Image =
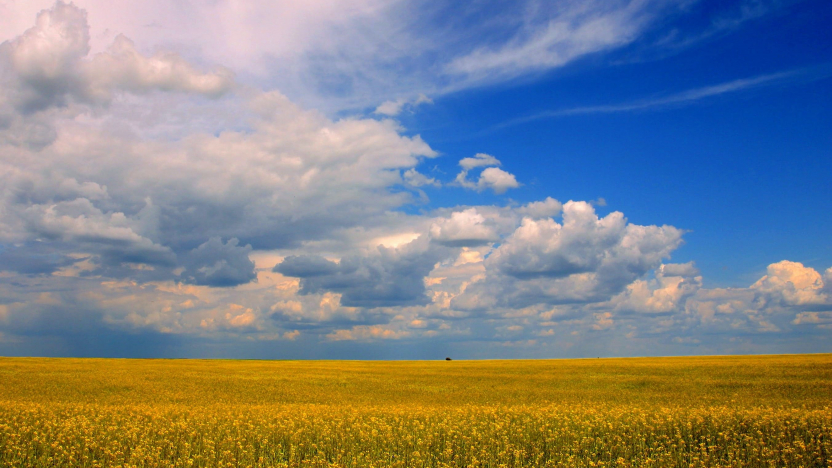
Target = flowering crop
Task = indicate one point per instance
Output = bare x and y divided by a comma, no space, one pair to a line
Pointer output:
730,411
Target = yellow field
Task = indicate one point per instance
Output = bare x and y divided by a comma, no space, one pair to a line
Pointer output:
714,411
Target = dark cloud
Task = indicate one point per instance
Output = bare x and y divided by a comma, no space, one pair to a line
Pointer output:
219,265
387,277
33,258
307,266
79,329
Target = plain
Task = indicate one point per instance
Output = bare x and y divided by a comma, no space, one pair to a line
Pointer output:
685,411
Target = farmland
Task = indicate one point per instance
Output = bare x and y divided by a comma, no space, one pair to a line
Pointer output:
702,411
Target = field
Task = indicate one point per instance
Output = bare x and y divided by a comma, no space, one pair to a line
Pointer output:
709,411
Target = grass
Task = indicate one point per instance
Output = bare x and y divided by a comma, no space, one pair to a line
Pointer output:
702,411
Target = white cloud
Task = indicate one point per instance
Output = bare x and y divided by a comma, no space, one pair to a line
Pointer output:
463,228
541,209
497,180
796,284
666,293
122,67
415,178
479,160
492,178
686,97
50,67
585,259
553,35
394,108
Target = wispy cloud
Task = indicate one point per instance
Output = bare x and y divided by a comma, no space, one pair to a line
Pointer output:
343,56
552,36
677,39
686,97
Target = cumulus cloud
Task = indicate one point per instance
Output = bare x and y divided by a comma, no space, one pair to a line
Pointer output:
584,259
383,277
794,283
48,66
289,176
45,59
497,180
215,263
36,258
791,296
80,221
673,284
541,209
463,229
122,67
492,178
583,243
479,160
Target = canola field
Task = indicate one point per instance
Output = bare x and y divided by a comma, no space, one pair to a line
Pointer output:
762,411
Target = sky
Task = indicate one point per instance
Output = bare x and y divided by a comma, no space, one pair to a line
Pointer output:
390,179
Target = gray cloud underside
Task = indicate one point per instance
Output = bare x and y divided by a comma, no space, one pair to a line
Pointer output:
386,277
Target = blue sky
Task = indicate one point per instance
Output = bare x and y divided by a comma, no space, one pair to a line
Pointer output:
383,179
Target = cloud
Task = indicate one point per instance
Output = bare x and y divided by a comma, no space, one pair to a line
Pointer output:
789,296
220,265
46,57
50,67
34,259
394,108
681,98
497,180
289,176
384,277
541,209
414,178
80,221
492,178
673,284
479,160
463,229
367,333
550,36
793,283
122,67
584,259
544,248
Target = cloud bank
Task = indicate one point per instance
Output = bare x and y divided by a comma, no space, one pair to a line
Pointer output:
154,202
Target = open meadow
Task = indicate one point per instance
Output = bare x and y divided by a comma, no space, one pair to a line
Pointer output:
701,411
